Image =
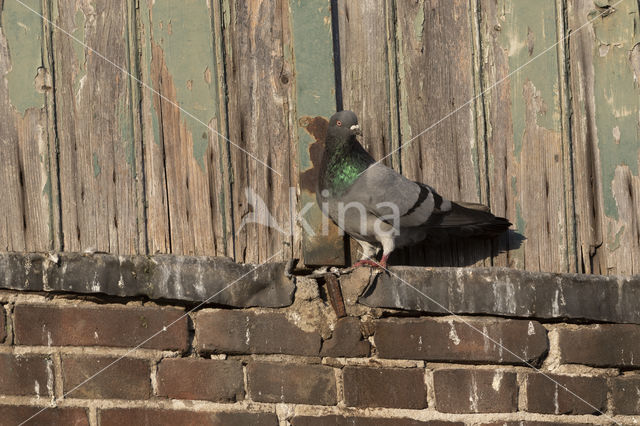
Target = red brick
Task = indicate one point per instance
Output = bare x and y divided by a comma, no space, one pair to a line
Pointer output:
293,383
346,340
625,395
475,391
17,414
455,340
3,325
332,420
555,394
206,379
384,387
157,417
25,375
242,332
128,378
603,345
100,326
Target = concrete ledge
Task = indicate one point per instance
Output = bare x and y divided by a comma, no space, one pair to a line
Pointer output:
480,291
172,277
506,292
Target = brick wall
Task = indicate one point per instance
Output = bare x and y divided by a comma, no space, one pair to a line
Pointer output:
100,360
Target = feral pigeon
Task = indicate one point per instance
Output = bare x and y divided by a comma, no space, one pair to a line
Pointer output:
381,208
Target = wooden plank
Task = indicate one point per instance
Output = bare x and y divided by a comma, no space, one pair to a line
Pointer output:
368,67
185,186
435,57
29,209
367,62
605,70
315,97
526,148
260,78
95,128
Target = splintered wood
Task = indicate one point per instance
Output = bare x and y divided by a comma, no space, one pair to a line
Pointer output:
140,127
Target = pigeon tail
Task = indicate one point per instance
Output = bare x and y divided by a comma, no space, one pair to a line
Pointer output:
470,220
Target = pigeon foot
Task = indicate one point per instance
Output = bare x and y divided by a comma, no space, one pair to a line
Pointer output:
372,263
366,262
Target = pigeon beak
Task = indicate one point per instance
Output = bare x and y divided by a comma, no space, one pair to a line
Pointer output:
355,129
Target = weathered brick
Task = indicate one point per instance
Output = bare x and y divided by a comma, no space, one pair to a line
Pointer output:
456,340
3,324
157,417
241,332
294,383
206,379
17,414
475,391
365,421
100,326
507,292
556,394
625,395
346,340
25,375
603,345
128,378
385,387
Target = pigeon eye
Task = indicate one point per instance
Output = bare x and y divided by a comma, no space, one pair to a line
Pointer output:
339,123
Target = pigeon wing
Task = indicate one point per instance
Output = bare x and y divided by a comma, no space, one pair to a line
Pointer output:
388,195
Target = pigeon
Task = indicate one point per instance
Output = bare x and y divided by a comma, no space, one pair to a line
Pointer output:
380,208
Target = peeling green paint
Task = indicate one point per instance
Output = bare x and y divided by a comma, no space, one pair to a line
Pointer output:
173,29
617,95
613,246
313,51
528,28
144,30
96,165
520,223
23,31
315,96
125,125
46,188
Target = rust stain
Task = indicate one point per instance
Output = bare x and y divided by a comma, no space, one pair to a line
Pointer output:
335,295
317,128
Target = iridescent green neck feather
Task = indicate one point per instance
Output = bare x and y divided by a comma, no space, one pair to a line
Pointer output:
343,162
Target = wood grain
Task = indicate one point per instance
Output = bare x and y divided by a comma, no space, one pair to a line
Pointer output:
605,69
260,121
368,62
528,179
181,118
95,159
98,164
436,92
28,212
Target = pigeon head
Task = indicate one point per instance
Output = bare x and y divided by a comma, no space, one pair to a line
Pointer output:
344,124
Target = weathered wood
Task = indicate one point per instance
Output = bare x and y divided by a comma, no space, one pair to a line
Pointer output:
436,91
94,125
605,70
29,210
185,212
146,166
315,98
526,149
260,78
368,62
